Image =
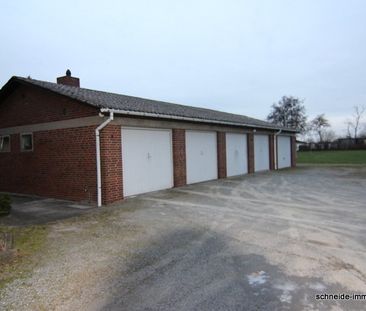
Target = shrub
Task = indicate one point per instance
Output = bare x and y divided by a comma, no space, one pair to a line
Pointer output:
5,204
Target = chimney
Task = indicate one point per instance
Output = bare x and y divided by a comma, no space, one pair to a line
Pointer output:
68,80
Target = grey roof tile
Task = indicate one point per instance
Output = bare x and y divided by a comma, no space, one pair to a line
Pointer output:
102,99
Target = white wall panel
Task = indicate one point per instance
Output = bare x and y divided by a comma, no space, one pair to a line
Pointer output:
147,160
236,154
201,156
284,151
261,153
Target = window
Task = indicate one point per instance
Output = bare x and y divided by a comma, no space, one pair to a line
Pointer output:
4,143
26,142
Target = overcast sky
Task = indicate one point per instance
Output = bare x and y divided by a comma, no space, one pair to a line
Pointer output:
231,55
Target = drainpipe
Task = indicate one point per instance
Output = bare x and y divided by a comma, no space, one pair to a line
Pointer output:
275,149
99,172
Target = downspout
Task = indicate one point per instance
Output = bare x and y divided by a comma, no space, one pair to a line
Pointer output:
99,171
275,149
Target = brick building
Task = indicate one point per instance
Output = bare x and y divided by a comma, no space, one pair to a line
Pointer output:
59,140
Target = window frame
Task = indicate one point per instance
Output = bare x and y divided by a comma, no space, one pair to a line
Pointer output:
21,142
9,149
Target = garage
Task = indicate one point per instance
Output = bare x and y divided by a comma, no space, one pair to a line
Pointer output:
132,145
146,159
201,156
261,153
284,151
236,154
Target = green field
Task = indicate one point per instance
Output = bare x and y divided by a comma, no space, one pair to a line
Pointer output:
332,157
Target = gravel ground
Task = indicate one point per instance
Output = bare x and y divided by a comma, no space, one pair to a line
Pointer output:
271,241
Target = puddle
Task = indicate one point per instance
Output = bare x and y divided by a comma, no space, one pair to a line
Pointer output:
287,288
257,278
317,286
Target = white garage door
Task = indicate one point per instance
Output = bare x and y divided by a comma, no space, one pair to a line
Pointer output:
201,156
261,153
147,160
284,151
236,154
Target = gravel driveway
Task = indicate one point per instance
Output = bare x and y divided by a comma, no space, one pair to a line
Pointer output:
271,241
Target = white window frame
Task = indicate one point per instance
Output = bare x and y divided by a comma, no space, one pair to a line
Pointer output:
1,141
21,142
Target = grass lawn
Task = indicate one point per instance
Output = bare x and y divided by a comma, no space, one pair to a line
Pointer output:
332,157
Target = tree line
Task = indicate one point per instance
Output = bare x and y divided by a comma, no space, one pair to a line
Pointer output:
290,112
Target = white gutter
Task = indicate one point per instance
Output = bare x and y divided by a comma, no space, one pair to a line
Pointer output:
275,149
164,116
99,172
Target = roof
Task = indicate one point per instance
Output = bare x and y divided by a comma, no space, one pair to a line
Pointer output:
125,104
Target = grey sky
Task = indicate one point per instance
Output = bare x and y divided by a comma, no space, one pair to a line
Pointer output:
236,56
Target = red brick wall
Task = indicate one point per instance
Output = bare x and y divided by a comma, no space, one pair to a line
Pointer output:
62,165
30,105
111,163
179,157
250,146
271,152
221,154
293,151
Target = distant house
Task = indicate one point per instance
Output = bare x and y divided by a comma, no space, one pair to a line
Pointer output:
338,144
348,143
300,143
60,140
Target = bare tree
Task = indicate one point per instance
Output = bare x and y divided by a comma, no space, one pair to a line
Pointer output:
348,124
328,135
355,123
363,132
318,124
